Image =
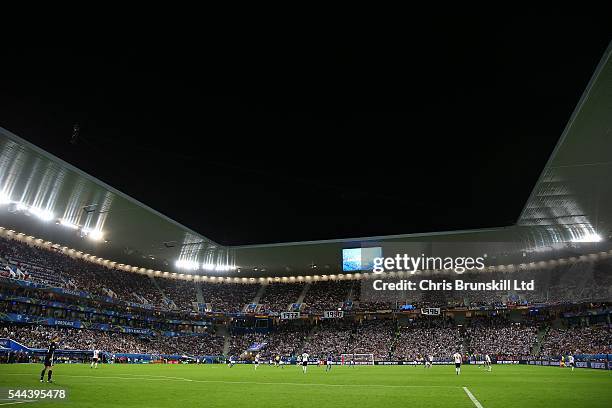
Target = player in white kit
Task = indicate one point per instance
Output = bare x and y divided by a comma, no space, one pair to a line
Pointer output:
571,362
428,361
95,359
457,360
305,362
488,362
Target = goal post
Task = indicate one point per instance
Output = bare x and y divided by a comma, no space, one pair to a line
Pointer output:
357,359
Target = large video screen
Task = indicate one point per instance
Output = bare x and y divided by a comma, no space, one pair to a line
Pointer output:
359,259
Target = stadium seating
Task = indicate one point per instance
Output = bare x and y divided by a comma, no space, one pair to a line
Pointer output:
327,295
38,336
500,338
278,296
578,340
228,297
439,338
165,308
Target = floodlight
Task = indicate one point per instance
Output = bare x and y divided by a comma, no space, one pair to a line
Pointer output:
44,215
68,224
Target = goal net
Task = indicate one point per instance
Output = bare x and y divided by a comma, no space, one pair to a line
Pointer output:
357,359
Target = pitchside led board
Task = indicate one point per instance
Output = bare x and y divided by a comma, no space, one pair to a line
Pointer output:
359,259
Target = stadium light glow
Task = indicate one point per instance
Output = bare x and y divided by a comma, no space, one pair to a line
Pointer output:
44,215
68,224
94,235
590,237
186,264
218,267
4,199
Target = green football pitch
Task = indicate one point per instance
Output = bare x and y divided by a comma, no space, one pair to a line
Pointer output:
358,387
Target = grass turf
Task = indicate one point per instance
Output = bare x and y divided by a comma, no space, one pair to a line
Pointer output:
374,386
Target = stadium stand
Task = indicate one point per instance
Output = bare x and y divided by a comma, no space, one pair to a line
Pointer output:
162,310
38,336
500,338
64,271
327,295
181,293
228,297
373,336
578,340
278,297
439,337
329,337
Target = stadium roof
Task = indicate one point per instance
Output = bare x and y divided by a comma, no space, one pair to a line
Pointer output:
574,190
43,196
46,197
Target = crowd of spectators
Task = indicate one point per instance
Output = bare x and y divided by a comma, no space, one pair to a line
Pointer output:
577,340
73,273
239,343
374,336
368,302
181,293
278,296
437,337
208,345
381,337
564,284
38,337
228,297
500,338
284,340
385,338
331,336
34,263
326,295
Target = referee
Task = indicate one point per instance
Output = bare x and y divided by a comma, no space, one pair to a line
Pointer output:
49,360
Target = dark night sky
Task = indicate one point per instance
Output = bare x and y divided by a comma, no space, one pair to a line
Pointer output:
438,127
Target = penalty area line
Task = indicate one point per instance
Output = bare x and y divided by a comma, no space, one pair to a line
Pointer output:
477,404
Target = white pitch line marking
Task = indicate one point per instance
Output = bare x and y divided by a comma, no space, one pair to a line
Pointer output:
472,397
323,385
165,378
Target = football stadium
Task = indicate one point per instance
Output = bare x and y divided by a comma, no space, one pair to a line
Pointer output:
106,301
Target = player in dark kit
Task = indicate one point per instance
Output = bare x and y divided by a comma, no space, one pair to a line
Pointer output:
49,360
